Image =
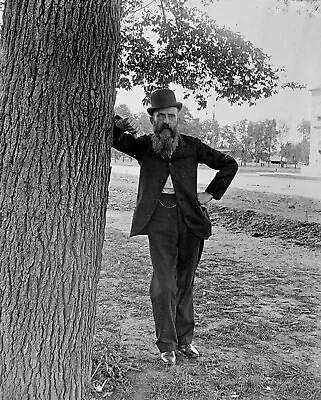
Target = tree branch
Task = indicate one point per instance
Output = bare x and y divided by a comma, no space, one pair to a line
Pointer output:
163,11
143,7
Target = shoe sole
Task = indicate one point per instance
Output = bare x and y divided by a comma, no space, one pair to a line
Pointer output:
187,355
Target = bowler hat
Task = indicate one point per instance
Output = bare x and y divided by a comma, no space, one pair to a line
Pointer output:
163,98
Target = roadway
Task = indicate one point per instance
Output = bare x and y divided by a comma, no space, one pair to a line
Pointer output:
280,183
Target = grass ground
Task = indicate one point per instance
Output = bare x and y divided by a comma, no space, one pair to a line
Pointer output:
257,304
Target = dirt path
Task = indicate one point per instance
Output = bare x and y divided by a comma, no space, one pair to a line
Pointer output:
257,303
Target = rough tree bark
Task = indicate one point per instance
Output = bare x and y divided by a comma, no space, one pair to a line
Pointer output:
58,72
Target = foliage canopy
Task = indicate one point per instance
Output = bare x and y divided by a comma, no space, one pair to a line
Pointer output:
165,42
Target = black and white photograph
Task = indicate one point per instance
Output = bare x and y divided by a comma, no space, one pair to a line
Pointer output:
160,200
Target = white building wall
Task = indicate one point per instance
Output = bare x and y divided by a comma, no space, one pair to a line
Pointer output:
314,167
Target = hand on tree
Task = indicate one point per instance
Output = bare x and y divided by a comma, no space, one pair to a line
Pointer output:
128,124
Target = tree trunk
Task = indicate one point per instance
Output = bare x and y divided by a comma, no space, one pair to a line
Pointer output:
57,97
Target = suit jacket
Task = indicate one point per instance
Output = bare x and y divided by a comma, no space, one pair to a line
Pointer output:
182,166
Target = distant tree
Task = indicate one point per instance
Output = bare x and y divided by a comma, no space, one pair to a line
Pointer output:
295,153
283,132
255,140
304,129
234,145
286,153
225,137
242,135
188,124
283,140
262,139
210,132
302,153
270,138
228,140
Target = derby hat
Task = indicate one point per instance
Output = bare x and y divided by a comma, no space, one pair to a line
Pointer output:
163,98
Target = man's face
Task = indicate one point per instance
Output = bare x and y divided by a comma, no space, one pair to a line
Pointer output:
165,118
165,138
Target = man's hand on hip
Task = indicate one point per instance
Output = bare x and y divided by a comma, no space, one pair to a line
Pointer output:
204,197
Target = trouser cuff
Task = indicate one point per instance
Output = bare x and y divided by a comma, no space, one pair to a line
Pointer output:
162,347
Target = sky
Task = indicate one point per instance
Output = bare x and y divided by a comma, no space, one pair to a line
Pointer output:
292,40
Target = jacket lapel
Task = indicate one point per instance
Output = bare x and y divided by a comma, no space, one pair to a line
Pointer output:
178,153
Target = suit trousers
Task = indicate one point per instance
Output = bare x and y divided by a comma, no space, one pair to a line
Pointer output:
175,252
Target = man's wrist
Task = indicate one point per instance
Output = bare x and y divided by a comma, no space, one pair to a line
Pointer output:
210,197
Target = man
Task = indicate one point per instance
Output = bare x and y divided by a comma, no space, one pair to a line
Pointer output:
169,211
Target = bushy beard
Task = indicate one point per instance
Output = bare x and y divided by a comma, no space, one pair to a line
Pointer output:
165,141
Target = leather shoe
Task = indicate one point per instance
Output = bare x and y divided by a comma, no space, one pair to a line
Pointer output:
188,350
168,357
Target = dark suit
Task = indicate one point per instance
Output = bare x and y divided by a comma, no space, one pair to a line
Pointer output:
183,168
176,225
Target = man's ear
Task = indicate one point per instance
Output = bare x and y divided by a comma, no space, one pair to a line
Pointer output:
151,119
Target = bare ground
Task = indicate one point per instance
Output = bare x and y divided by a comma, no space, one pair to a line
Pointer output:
257,303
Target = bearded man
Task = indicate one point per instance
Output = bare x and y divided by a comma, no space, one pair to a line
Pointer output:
169,210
